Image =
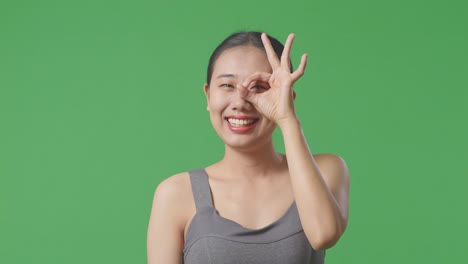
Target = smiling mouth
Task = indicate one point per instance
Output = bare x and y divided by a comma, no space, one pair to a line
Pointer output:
241,122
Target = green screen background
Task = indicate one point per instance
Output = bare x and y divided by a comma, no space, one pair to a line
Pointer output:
102,100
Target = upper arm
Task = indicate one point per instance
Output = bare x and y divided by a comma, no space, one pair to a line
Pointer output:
165,230
336,174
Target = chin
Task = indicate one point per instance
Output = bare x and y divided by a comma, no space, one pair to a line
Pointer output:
240,144
244,142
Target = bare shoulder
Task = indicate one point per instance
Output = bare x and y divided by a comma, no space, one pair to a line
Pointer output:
171,204
335,172
332,166
174,184
174,193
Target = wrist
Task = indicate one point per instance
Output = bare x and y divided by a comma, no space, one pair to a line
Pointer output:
288,123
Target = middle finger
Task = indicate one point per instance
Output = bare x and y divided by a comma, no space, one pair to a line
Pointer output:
287,50
271,54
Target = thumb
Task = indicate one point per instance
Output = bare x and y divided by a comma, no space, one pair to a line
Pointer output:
245,94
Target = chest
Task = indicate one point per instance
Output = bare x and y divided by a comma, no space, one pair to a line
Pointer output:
252,207
292,249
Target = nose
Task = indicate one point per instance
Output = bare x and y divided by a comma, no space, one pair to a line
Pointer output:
238,103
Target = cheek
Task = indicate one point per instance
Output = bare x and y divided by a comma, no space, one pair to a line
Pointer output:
218,102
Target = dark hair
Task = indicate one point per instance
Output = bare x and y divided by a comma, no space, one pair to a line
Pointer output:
243,39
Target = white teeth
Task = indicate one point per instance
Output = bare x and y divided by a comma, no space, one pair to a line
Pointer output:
240,122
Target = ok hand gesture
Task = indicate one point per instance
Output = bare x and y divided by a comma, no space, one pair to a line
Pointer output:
276,103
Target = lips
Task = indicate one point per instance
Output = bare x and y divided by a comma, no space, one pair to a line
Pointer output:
241,123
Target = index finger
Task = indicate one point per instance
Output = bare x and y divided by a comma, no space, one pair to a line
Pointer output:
272,58
262,76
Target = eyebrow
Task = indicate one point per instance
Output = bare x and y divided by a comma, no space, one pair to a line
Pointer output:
225,75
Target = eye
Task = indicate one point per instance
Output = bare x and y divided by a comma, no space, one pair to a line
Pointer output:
258,88
227,85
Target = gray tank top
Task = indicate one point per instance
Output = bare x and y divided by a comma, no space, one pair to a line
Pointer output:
212,239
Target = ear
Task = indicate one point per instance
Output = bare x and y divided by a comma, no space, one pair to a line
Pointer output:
206,90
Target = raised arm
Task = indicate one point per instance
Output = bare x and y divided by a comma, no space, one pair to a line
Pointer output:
321,194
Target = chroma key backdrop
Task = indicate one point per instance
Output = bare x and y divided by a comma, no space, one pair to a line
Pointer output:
102,100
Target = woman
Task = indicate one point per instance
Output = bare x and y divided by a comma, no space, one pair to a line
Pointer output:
255,205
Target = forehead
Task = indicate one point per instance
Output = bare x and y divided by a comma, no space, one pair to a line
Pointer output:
242,61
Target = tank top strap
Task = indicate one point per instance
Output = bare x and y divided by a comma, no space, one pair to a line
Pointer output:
200,188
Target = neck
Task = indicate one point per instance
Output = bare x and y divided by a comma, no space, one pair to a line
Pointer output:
251,164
